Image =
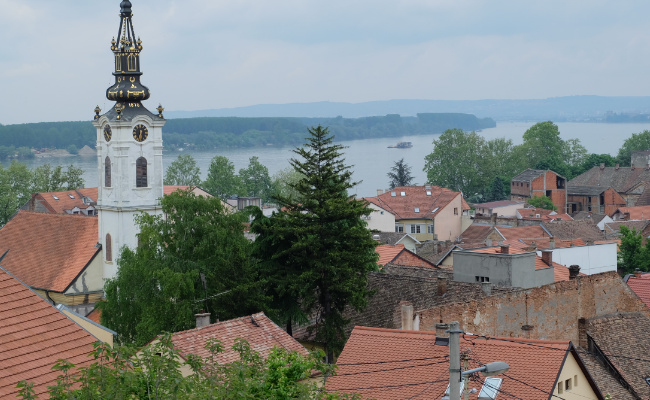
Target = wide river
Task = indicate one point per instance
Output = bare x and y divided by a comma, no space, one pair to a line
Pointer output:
371,159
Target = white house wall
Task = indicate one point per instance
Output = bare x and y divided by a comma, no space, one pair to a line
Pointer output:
380,219
592,259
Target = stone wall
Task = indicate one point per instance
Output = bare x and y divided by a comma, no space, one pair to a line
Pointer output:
549,312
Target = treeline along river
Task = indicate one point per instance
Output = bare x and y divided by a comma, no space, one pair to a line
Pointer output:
371,158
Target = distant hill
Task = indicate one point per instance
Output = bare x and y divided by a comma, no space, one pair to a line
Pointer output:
558,109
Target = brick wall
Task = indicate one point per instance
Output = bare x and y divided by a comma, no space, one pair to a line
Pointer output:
408,258
550,312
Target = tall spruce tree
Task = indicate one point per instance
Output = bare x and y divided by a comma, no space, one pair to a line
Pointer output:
400,175
317,252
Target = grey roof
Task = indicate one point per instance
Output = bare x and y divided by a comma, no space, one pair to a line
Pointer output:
615,227
528,175
621,179
566,230
581,215
392,238
585,190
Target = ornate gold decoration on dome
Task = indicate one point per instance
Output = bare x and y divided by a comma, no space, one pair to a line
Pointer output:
97,111
160,110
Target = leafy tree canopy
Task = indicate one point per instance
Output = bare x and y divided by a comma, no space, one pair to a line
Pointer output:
183,172
638,141
542,202
118,374
196,258
256,180
400,175
317,252
222,181
632,254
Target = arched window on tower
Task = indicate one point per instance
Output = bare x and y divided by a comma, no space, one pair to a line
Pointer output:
107,172
133,62
108,248
141,172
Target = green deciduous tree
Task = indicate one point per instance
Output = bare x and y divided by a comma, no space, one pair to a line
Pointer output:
48,179
316,252
457,162
638,141
594,160
541,202
256,180
183,172
195,258
15,189
284,182
632,253
155,374
400,175
222,181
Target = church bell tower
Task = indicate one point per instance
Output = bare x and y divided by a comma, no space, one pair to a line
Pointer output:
129,150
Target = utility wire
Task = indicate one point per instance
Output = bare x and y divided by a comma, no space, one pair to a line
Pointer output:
390,386
393,369
396,361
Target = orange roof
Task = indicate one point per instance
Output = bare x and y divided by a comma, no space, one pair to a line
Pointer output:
641,286
33,337
387,252
522,232
60,202
410,364
636,213
48,251
261,333
95,316
428,202
545,243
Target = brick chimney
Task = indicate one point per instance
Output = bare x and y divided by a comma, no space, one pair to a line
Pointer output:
441,330
602,166
505,249
442,285
637,273
380,192
493,219
202,319
574,271
407,315
547,257
582,333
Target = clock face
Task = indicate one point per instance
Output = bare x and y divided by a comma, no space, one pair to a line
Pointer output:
140,133
108,133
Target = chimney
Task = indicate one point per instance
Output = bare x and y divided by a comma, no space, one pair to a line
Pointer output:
547,257
442,285
441,330
617,167
505,249
632,167
551,243
380,192
202,319
647,167
602,166
376,238
436,247
407,315
493,219
487,288
637,273
574,271
582,333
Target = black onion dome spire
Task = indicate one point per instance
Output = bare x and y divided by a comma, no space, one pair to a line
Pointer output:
127,87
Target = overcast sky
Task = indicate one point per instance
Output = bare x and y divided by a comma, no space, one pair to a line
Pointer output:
55,60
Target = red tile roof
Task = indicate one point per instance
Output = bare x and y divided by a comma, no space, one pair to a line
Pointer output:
522,232
641,286
33,337
403,207
61,202
387,252
410,365
261,333
48,251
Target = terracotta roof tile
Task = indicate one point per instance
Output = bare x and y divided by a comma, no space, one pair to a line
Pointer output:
387,253
636,213
641,286
33,337
48,251
522,232
615,227
476,233
403,207
621,179
566,230
261,333
411,365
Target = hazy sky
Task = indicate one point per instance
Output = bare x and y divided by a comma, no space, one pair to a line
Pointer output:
55,60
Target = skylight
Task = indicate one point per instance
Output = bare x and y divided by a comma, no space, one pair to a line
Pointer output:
55,198
446,395
428,193
417,210
434,210
490,389
71,196
403,194
393,194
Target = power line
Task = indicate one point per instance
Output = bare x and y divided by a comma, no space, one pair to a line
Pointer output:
544,391
392,369
390,386
395,361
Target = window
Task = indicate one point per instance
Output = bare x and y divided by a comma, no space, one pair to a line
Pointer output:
416,228
393,194
482,279
417,210
560,387
428,193
567,384
455,210
141,172
108,248
107,172
55,198
490,389
430,228
402,194
399,228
